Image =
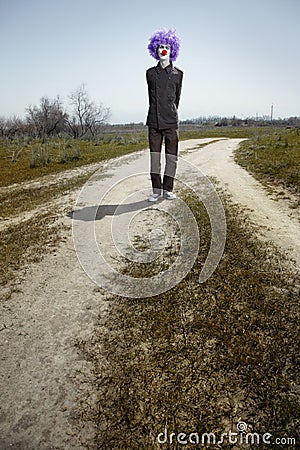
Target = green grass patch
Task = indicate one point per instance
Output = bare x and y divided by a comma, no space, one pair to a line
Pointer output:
26,243
20,200
201,357
273,158
229,132
24,161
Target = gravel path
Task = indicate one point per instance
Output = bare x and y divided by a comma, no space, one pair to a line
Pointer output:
43,377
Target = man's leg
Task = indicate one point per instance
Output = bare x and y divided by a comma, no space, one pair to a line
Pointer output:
155,143
171,150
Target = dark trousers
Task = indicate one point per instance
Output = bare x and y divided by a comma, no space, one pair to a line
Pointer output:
171,151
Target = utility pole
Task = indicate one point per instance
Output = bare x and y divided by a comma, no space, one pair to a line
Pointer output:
272,110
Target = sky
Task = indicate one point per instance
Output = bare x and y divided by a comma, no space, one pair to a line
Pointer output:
238,56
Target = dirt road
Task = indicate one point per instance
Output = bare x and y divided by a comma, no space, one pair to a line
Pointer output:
43,377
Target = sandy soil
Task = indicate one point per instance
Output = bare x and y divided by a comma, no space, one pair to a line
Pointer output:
43,377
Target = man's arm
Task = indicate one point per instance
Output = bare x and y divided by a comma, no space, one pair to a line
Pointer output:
178,92
148,76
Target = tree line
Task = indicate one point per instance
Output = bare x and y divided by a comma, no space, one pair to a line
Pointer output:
234,121
51,119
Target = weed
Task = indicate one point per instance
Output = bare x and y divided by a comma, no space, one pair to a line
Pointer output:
69,154
40,155
14,150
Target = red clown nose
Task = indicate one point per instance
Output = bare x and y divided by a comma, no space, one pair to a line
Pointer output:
164,52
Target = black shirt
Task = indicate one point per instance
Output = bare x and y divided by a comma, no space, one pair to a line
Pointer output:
164,89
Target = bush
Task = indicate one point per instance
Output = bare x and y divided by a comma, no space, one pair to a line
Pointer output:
40,156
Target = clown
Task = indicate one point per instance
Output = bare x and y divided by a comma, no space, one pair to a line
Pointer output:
164,88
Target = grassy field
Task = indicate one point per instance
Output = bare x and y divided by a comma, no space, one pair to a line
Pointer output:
199,358
230,132
24,161
28,160
273,158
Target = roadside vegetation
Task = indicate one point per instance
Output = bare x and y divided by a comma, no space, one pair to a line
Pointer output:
26,243
25,160
273,158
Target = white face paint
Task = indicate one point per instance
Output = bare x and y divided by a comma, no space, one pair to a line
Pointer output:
164,52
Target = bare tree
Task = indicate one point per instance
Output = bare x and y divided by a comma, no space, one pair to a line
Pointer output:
86,116
11,128
3,127
48,119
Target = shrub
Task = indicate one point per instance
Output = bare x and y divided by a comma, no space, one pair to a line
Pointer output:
40,156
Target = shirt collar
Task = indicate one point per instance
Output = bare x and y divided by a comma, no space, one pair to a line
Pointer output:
168,69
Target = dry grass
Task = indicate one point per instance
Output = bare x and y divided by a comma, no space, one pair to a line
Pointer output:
27,240
273,158
25,243
230,132
24,199
198,358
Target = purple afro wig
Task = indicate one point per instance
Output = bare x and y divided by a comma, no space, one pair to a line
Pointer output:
166,37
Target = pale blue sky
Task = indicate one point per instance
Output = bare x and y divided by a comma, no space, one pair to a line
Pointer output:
238,56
